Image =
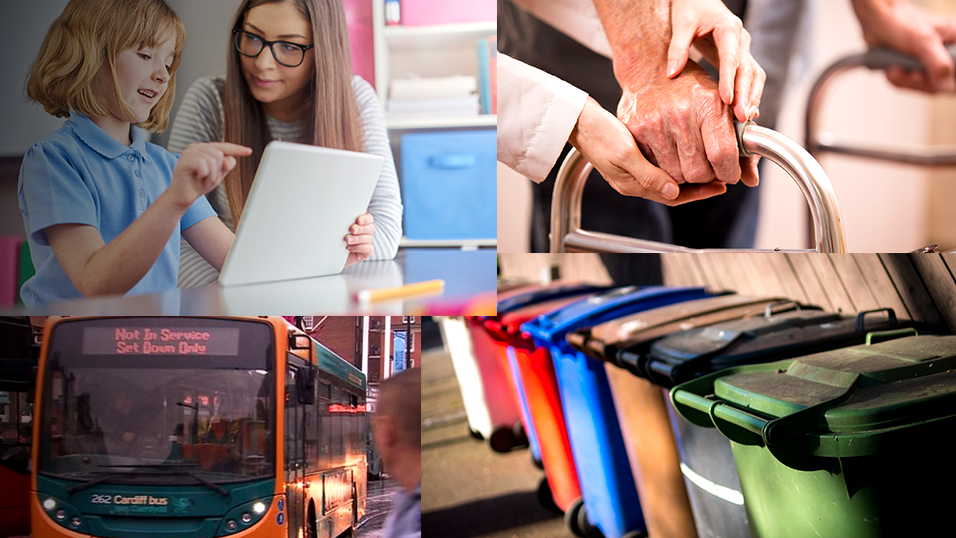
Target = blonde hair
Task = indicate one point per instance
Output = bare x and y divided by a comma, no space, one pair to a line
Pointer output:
90,33
335,118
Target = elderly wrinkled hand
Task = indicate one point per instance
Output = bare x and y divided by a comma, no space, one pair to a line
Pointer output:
912,30
683,126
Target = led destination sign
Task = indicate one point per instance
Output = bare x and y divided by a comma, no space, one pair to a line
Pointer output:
160,341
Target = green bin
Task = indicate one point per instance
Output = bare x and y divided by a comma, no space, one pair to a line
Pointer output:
854,442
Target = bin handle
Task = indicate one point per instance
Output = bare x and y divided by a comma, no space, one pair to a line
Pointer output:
861,317
567,235
768,312
882,336
735,424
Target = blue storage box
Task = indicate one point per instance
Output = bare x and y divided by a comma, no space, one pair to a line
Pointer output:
449,186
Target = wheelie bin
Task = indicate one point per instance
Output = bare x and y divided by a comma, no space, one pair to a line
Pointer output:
611,502
852,442
533,369
641,405
706,460
489,400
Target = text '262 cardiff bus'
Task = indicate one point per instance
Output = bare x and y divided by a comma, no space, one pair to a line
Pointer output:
195,427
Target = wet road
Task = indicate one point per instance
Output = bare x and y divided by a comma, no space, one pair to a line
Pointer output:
468,491
379,502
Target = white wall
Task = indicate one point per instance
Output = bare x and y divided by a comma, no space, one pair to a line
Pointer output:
514,225
22,28
208,24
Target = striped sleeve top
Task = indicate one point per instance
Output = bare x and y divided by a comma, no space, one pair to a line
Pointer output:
200,119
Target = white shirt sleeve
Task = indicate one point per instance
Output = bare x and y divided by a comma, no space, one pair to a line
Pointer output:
536,114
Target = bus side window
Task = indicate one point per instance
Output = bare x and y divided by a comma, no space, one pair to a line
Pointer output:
325,424
312,448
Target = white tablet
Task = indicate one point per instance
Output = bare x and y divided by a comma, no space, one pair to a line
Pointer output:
300,207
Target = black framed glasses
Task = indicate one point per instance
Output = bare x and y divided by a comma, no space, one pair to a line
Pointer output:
286,53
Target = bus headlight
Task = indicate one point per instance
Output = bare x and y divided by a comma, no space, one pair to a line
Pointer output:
243,516
62,513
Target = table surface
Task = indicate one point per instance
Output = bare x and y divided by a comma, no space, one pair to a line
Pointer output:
468,276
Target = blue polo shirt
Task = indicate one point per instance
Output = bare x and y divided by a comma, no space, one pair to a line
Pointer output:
81,175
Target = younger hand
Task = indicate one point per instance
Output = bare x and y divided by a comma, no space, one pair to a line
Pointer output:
201,168
914,31
359,239
607,144
721,38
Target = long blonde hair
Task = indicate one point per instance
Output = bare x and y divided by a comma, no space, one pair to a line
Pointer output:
335,117
91,32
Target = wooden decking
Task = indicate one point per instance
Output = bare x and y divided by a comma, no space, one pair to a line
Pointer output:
920,287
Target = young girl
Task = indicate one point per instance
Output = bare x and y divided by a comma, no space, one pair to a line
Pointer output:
289,78
103,209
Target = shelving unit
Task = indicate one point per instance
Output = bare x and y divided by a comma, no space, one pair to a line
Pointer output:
429,51
445,122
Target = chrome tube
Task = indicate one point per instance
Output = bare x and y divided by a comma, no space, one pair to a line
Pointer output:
818,142
566,230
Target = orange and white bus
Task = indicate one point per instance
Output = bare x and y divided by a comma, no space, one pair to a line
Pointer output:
197,427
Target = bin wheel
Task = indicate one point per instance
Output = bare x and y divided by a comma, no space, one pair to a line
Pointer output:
545,496
502,440
521,437
536,460
571,517
590,530
475,434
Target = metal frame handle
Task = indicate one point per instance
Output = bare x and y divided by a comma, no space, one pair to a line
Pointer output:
567,235
879,58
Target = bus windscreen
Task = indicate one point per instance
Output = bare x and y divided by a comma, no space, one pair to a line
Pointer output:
158,415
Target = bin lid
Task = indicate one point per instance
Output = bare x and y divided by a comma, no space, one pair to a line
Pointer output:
851,401
535,294
688,354
552,328
506,328
604,340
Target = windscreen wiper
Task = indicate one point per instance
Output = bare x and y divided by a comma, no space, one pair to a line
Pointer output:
88,484
180,468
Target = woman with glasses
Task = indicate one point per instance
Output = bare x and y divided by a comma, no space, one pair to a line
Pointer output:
289,77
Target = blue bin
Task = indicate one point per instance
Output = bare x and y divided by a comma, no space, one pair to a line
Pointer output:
448,185
607,484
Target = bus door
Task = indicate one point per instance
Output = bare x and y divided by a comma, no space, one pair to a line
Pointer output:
294,464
